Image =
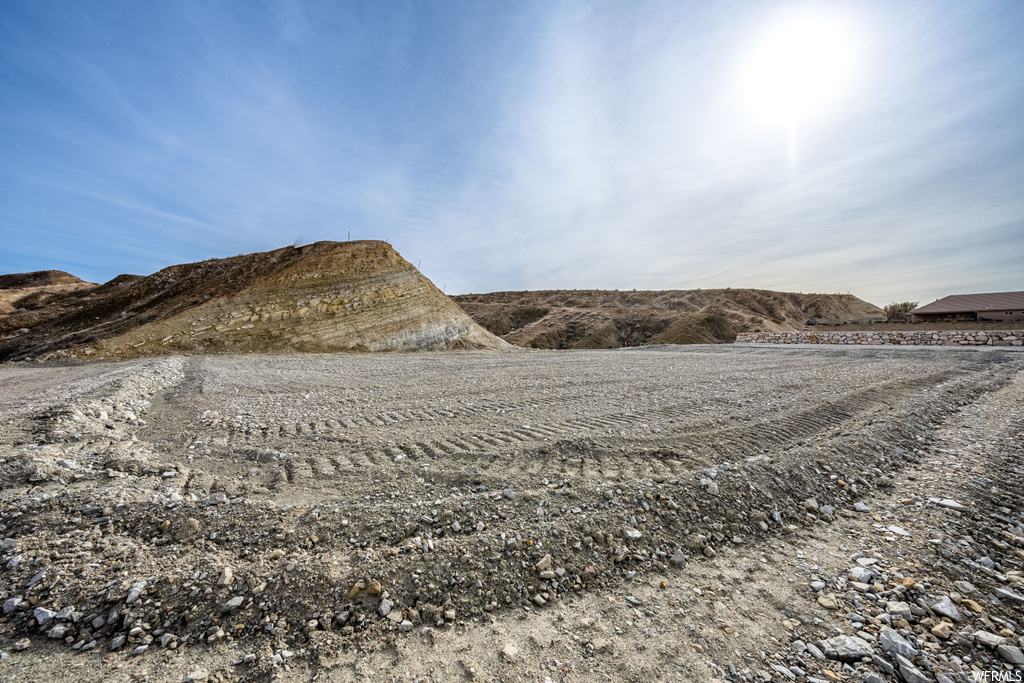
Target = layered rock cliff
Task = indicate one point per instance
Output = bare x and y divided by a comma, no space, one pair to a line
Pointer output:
323,297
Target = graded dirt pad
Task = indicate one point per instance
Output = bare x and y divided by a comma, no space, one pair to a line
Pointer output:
574,516
606,319
323,297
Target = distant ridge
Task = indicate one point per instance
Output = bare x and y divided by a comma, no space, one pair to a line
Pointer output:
31,291
323,297
39,278
593,318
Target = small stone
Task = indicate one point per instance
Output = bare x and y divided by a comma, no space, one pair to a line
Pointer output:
117,643
827,601
990,640
166,639
539,600
944,606
509,494
456,527
861,574
899,610
57,632
385,607
967,603
197,675
1010,653
22,644
135,592
449,615
846,648
357,588
695,542
226,577
40,575
861,507
631,534
543,564
910,673
405,626
232,604
188,529
1007,594
894,644
43,616
11,604
811,505
510,651
942,630
947,503
678,558
817,586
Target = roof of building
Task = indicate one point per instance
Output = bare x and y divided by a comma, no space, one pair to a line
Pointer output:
963,303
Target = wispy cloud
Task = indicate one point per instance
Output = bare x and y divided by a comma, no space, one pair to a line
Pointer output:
535,145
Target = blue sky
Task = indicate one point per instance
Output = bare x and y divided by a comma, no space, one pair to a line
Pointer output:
520,145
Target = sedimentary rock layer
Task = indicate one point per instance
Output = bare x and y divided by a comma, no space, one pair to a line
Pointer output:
327,296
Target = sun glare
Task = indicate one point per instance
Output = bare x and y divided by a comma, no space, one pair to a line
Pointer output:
796,70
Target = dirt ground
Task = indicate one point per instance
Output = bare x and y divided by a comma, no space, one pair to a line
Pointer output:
696,513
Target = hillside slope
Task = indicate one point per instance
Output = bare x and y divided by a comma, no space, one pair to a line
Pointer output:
327,296
590,319
26,293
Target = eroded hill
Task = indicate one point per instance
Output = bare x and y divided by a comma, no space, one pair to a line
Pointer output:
28,293
594,319
327,296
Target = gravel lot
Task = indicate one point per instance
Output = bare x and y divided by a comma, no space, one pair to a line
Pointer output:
574,515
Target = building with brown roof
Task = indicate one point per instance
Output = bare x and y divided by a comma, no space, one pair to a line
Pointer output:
996,306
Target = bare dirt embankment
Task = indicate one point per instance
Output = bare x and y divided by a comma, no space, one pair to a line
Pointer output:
602,319
327,296
696,513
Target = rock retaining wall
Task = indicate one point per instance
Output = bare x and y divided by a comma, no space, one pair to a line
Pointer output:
922,338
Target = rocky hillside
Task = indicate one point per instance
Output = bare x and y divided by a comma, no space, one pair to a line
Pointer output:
327,296
594,319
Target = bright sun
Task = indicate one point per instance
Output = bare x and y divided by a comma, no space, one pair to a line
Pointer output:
797,69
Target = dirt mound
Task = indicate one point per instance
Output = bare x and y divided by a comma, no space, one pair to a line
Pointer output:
592,319
327,296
